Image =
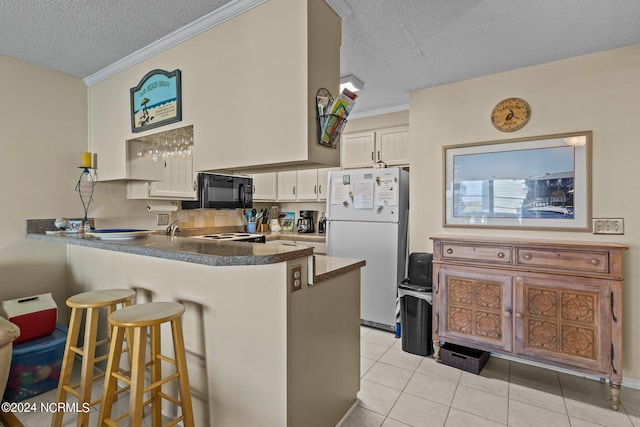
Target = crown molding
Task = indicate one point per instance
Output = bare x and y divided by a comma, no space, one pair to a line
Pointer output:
340,7
213,19
377,112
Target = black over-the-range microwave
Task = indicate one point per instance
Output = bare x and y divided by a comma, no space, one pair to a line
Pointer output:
217,191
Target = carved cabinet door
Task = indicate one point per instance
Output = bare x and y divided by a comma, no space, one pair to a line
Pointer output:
564,319
475,308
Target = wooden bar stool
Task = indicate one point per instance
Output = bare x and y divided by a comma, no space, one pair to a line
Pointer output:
138,318
90,303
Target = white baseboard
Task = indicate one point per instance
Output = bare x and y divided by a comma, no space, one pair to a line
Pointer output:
626,382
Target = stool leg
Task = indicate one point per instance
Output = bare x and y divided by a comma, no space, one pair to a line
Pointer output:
67,364
128,335
88,360
156,375
183,379
138,352
110,382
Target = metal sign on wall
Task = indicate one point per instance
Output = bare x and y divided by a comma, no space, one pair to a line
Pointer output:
156,100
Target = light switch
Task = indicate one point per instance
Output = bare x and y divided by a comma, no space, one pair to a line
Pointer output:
608,226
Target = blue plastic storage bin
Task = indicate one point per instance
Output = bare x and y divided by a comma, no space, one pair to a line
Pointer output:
35,365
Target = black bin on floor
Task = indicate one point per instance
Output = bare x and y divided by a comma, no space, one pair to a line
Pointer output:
416,301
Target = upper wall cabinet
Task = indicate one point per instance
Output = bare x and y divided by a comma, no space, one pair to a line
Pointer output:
248,88
264,186
301,185
166,159
364,149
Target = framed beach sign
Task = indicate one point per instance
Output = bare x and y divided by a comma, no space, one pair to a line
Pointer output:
156,100
541,182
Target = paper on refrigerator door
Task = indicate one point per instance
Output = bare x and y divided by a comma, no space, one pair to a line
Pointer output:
339,193
363,195
387,192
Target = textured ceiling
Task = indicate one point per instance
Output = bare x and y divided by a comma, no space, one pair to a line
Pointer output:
80,37
394,46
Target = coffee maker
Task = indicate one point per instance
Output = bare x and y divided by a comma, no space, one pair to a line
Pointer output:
305,222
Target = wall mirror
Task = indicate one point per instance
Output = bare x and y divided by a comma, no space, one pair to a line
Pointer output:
541,182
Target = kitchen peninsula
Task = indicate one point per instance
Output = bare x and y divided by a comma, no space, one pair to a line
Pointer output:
261,348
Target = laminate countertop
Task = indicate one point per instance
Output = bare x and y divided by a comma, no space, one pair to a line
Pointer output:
198,251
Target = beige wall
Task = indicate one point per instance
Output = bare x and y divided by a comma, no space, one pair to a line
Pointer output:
598,92
44,130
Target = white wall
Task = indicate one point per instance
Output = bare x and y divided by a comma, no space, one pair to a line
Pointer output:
598,92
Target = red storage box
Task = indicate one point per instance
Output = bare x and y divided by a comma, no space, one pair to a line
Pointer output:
35,316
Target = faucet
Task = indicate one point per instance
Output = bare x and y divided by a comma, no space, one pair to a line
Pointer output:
172,228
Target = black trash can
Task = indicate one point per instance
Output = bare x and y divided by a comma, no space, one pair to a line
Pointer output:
416,301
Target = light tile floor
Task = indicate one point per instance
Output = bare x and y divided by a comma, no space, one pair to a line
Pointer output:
37,415
400,389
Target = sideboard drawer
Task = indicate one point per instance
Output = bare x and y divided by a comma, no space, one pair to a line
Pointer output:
588,261
476,253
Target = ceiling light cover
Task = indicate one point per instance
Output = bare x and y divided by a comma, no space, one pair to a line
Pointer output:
351,83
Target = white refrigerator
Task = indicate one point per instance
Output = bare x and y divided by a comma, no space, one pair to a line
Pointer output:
367,217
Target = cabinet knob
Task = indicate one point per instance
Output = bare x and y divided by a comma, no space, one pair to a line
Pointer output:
519,316
294,190
320,188
507,314
449,251
528,256
500,254
378,154
195,185
595,261
373,159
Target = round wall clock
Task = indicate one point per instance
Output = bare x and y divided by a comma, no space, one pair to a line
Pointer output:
510,114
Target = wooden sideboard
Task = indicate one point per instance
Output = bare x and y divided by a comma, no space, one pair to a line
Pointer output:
553,302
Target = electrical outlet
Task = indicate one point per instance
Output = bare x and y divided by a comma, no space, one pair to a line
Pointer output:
608,226
295,278
163,219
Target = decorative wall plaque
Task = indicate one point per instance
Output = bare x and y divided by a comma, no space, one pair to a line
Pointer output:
156,100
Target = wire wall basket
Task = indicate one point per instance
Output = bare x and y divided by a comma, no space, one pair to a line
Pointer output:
330,126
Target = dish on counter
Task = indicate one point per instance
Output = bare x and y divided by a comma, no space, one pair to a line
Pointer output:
119,233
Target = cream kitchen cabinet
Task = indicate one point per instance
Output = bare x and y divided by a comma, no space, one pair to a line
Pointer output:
303,185
357,149
323,182
307,184
259,109
364,149
558,303
287,190
265,186
178,182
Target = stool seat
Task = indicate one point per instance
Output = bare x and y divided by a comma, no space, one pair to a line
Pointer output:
100,298
141,315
